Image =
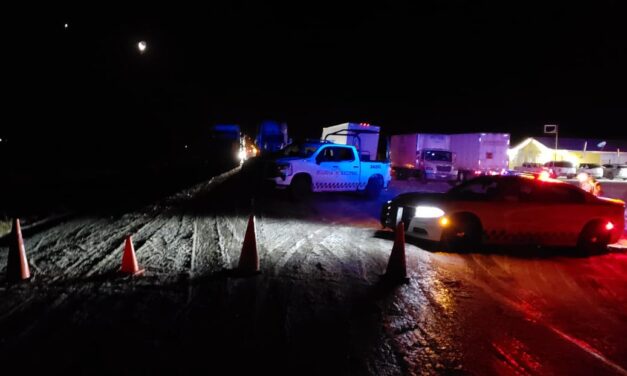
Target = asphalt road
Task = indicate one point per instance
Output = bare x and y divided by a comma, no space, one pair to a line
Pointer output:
318,306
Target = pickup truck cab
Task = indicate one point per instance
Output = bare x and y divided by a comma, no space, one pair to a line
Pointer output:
327,167
561,168
531,167
615,171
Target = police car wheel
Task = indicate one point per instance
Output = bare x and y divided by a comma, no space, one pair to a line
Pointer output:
463,235
593,239
300,188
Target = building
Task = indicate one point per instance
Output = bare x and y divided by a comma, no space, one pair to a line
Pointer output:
575,150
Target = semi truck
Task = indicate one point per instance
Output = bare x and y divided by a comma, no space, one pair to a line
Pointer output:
363,136
479,153
224,144
426,156
271,136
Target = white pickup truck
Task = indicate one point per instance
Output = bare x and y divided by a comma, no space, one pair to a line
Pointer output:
327,167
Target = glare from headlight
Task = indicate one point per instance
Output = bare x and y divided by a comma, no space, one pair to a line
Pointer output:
428,212
241,155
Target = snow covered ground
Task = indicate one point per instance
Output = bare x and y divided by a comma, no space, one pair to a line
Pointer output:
317,307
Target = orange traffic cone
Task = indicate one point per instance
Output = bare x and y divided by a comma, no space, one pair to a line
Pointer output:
129,261
17,265
396,271
248,260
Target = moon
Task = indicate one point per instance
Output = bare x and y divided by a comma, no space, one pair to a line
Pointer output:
141,46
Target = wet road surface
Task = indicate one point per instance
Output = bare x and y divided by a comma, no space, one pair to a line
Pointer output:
318,306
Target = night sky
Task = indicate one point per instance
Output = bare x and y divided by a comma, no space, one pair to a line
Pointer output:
428,66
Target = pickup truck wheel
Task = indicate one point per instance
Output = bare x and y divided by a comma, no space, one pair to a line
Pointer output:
593,239
374,188
300,188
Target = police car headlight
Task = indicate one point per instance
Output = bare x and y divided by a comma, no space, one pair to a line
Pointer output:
428,212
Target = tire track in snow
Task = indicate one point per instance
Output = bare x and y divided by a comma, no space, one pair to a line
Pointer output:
282,258
111,258
92,256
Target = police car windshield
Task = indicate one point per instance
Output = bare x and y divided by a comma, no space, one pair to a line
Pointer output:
478,187
303,150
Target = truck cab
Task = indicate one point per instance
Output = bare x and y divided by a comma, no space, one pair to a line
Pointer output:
427,156
435,164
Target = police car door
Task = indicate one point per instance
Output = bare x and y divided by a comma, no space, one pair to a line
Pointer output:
548,213
338,170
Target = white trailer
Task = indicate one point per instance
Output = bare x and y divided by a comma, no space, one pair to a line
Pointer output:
364,137
480,153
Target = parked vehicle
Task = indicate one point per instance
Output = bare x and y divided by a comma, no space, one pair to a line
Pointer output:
422,155
363,136
592,169
531,167
271,136
615,171
327,167
561,168
216,145
509,210
225,143
480,154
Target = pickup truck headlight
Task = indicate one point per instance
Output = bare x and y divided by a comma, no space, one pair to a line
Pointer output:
284,169
428,212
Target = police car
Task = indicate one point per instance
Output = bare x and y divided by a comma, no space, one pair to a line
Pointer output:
522,209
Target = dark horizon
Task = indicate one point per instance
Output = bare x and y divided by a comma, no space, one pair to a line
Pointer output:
435,67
